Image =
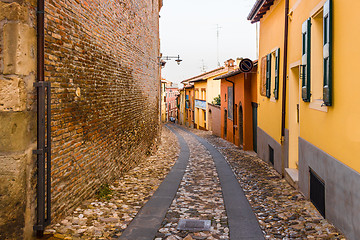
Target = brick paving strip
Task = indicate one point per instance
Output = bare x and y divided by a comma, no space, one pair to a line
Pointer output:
207,184
282,211
242,221
148,220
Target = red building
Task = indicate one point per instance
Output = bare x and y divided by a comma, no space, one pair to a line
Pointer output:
170,103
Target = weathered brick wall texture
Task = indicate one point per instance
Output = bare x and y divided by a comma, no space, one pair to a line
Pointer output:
101,59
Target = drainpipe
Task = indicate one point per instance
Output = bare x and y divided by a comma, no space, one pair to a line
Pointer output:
43,210
40,40
286,36
193,111
233,103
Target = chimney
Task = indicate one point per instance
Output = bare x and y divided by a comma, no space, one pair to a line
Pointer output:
238,60
229,64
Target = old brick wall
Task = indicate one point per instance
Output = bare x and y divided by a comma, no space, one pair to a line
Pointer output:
101,59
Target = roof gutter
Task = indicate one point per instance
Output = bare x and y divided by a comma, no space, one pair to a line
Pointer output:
255,9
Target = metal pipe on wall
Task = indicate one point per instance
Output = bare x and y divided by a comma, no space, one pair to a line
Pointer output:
43,90
283,113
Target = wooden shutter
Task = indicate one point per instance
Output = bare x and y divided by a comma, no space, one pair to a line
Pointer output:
263,77
277,70
327,53
306,54
268,75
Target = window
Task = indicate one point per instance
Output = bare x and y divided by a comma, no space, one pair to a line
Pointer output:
268,75
327,52
230,102
273,73
263,77
305,61
317,32
277,70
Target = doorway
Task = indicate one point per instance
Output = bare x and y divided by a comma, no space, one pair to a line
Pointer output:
225,124
254,118
294,117
241,126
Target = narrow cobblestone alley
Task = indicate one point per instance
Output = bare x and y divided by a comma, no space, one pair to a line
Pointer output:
281,211
199,197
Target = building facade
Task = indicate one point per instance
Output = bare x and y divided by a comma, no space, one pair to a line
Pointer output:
205,90
311,134
189,105
239,108
171,102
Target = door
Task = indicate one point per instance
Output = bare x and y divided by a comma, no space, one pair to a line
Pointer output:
294,117
225,124
241,125
254,118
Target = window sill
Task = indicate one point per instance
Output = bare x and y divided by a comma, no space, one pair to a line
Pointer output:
316,105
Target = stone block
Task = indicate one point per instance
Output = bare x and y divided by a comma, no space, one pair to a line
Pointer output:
19,49
13,12
12,192
17,131
12,94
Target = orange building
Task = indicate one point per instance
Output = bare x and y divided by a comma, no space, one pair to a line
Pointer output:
239,108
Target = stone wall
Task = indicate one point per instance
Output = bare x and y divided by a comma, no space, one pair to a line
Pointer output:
215,119
101,59
17,117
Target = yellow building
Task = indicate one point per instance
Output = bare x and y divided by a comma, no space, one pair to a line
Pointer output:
205,90
181,101
313,136
164,83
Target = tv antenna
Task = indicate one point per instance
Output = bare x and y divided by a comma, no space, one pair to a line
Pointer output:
217,36
203,67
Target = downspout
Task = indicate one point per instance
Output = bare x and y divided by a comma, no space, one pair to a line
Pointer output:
40,40
193,110
233,103
286,37
43,210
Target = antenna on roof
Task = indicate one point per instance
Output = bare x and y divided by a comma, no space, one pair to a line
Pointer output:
203,67
217,35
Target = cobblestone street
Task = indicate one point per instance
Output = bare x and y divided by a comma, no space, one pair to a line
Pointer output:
282,212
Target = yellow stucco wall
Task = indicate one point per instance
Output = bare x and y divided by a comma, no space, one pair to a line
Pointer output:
199,118
333,129
271,38
163,108
213,89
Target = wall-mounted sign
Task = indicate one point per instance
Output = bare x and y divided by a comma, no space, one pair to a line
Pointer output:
246,65
200,104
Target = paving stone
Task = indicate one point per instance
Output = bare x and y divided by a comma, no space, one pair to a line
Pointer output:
95,218
199,195
282,211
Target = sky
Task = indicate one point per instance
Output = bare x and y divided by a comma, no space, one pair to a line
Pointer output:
189,28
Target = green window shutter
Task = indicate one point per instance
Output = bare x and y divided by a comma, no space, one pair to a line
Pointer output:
306,54
327,53
268,75
277,70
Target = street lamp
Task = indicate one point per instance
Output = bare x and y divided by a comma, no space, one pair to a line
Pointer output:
162,59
